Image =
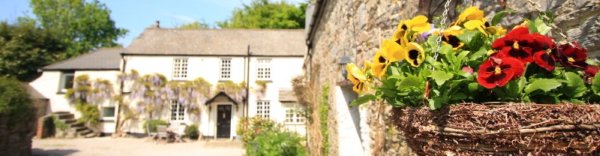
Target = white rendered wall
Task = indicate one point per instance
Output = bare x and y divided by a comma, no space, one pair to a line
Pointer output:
349,141
283,70
48,85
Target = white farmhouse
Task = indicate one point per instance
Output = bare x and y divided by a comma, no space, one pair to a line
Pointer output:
216,55
57,78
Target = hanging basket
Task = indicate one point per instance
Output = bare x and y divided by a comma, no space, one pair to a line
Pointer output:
515,128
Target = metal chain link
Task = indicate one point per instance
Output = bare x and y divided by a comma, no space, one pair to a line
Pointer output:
442,23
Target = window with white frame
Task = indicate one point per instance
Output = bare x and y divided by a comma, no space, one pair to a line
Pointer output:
293,116
225,68
264,69
66,81
263,108
108,112
180,68
177,110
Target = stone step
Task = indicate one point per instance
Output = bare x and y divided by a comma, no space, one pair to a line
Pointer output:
69,121
65,116
77,124
85,132
90,135
79,128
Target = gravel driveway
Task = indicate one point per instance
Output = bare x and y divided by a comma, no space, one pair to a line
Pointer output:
132,147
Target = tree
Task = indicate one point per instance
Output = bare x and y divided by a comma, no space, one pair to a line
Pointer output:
83,25
264,14
194,25
25,48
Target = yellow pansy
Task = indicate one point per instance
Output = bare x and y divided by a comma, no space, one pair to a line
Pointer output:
393,51
415,55
450,36
380,64
476,24
471,13
357,77
417,24
400,33
495,30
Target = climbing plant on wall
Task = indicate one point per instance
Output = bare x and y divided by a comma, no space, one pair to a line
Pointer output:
86,95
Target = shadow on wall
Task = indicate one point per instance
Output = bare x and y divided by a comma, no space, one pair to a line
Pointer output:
52,152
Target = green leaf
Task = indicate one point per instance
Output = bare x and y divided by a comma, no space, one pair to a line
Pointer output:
541,26
446,49
437,102
440,77
542,84
473,87
596,84
362,99
411,81
471,38
498,17
575,85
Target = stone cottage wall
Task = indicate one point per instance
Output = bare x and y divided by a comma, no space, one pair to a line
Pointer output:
15,138
356,28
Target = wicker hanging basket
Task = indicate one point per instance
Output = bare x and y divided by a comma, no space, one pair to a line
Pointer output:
515,128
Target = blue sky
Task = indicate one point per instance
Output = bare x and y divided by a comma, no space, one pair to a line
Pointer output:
136,15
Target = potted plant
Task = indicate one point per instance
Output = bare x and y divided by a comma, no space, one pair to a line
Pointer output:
477,88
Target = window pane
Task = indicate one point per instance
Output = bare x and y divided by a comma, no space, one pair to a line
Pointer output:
180,67
108,111
69,81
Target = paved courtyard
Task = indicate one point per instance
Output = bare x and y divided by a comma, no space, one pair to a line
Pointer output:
133,147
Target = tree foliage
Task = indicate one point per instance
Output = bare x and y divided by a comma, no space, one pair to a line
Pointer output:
83,25
194,25
25,48
264,14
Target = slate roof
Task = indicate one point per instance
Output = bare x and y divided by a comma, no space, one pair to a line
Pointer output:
219,42
101,59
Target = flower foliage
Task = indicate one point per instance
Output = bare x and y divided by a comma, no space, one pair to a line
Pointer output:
412,68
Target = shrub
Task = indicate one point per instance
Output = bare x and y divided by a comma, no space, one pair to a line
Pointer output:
14,100
276,143
90,114
265,137
248,129
150,125
191,131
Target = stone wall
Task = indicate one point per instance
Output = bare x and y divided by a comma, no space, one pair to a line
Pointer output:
15,138
355,28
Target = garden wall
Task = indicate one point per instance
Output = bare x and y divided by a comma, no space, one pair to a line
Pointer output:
15,138
355,29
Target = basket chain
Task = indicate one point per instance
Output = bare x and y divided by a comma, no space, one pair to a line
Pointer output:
442,23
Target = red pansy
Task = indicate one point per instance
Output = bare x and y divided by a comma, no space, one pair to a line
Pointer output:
591,70
572,55
543,51
499,71
518,43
